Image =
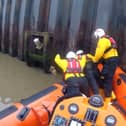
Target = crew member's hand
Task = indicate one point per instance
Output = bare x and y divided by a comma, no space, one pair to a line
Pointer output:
89,56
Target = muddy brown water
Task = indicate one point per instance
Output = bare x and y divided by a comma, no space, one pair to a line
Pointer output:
19,81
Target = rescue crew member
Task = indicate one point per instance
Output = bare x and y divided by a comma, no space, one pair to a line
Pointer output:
89,72
79,54
107,51
73,73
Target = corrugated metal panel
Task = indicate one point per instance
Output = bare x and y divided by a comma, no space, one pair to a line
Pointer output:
87,24
1,12
77,7
43,15
21,27
24,25
13,29
35,15
70,21
5,25
117,27
39,15
59,23
104,7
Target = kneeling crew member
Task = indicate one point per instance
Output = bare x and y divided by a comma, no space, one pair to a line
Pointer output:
73,73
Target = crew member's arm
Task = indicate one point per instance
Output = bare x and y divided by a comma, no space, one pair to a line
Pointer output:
83,61
100,49
62,63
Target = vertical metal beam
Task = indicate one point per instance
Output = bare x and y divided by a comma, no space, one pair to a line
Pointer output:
35,15
76,12
59,23
24,25
13,27
103,13
21,28
1,12
5,25
53,15
87,23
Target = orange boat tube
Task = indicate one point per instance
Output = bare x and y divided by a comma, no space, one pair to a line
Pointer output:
51,108
32,111
119,88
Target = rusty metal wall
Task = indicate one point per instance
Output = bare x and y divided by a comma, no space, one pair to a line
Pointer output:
23,25
71,22
5,25
1,6
13,27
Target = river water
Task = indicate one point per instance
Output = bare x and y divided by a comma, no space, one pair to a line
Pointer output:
18,81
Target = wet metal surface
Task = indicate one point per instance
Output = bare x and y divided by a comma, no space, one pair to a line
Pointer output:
14,29
71,22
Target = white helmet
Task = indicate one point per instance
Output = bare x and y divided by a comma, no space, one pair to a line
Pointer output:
70,55
99,32
79,52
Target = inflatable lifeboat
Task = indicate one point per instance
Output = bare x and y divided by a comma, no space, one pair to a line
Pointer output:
50,107
82,111
119,88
